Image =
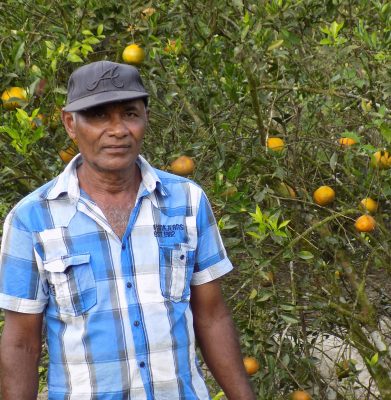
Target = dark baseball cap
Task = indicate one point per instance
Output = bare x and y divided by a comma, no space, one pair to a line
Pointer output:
103,82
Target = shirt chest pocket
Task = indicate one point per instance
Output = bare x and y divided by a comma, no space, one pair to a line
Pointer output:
71,283
176,269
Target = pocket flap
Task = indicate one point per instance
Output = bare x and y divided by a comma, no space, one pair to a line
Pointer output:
61,264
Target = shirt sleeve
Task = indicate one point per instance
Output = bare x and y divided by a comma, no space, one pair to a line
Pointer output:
211,257
21,287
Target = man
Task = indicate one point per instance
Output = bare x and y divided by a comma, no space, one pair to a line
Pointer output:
121,259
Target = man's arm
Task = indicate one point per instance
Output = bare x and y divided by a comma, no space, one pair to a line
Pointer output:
20,351
217,338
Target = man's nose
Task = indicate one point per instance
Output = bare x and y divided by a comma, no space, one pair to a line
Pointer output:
117,125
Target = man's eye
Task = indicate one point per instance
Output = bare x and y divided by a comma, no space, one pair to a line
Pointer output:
131,113
94,113
98,114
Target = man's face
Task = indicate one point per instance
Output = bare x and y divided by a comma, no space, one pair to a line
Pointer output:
109,136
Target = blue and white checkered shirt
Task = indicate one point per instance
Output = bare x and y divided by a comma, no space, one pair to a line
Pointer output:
119,323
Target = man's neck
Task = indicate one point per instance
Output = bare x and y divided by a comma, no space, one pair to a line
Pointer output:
114,193
109,183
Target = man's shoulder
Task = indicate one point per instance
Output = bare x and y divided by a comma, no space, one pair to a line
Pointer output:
168,178
32,202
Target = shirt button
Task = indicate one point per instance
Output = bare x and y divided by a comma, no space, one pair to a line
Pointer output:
136,323
182,257
142,364
129,285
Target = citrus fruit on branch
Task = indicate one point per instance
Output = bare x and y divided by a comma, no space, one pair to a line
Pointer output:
365,223
324,195
14,97
251,365
275,144
381,159
300,395
133,54
346,142
369,204
183,166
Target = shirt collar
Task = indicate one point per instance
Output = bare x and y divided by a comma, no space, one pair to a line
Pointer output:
68,183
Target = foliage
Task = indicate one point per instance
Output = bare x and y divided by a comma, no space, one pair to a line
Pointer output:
223,77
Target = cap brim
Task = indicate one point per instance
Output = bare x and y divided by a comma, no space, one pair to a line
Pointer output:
104,98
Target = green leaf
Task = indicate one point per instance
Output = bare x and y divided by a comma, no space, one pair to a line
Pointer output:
218,396
244,32
289,319
91,40
99,30
264,296
253,294
333,161
72,57
385,130
275,45
284,223
20,51
87,32
305,255
325,41
87,47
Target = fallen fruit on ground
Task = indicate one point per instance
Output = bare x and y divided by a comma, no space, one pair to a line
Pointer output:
275,144
365,223
183,166
381,159
300,395
324,195
133,54
369,204
67,154
346,142
251,365
14,97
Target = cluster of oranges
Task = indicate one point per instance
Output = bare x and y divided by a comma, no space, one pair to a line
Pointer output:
325,195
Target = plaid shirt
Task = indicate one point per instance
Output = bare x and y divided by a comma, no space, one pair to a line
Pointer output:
119,324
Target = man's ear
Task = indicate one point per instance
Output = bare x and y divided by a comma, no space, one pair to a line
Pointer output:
69,123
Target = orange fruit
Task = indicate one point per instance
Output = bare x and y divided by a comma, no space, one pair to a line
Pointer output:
67,154
14,97
133,54
275,144
300,395
183,165
365,223
324,195
381,159
369,204
346,142
251,365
